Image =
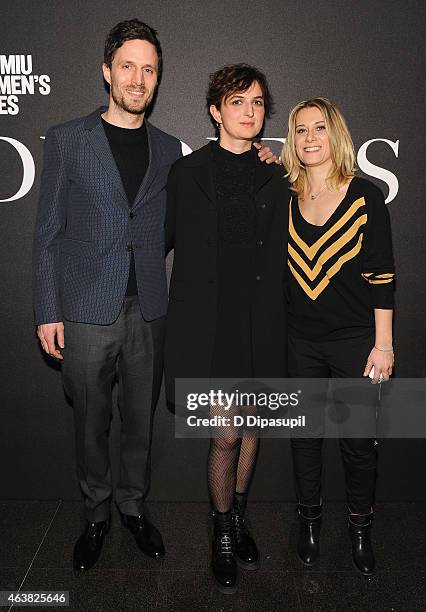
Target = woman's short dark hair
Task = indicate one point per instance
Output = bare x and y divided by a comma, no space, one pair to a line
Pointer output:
237,78
133,29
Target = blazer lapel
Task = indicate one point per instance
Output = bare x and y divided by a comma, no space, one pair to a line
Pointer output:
99,141
156,154
203,176
263,175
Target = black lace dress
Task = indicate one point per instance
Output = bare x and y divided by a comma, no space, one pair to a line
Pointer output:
234,176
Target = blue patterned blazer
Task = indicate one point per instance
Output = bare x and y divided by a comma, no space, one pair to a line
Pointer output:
85,231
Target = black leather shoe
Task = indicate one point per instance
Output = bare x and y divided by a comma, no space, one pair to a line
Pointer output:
147,537
88,547
224,565
246,552
309,533
362,551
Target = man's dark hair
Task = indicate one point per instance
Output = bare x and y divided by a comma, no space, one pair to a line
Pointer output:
237,78
132,29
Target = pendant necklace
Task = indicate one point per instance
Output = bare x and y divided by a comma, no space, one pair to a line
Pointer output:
315,195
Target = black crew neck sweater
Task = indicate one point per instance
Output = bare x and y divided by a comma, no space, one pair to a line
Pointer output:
130,150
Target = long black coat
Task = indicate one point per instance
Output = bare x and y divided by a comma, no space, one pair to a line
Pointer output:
191,229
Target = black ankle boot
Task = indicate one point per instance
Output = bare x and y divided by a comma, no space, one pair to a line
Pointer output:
309,533
224,565
362,551
245,547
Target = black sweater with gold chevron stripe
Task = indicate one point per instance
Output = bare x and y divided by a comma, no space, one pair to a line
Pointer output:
342,270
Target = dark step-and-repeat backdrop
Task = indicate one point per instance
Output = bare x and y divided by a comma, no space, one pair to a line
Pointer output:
366,56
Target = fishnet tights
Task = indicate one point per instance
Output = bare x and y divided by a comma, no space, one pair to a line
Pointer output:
231,459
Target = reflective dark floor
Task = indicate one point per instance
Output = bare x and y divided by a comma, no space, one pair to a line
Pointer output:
37,538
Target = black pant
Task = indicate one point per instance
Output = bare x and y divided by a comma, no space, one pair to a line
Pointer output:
334,359
94,355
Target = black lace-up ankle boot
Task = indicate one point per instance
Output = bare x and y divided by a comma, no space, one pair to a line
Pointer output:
362,551
245,547
223,559
309,533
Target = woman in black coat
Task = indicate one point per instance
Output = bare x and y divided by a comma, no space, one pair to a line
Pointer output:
227,219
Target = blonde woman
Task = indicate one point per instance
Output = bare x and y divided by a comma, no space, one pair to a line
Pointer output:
341,303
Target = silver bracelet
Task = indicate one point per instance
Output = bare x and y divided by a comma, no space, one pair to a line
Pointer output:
390,350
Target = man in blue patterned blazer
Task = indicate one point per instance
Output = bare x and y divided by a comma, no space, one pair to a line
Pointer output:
100,292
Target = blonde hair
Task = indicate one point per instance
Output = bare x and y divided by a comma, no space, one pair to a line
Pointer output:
341,147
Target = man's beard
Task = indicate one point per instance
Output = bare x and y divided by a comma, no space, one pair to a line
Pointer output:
138,108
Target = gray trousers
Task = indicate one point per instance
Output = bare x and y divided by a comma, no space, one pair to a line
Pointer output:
131,350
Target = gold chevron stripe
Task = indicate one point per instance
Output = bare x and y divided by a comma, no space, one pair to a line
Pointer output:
311,274
328,253
346,257
314,293
387,278
313,250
